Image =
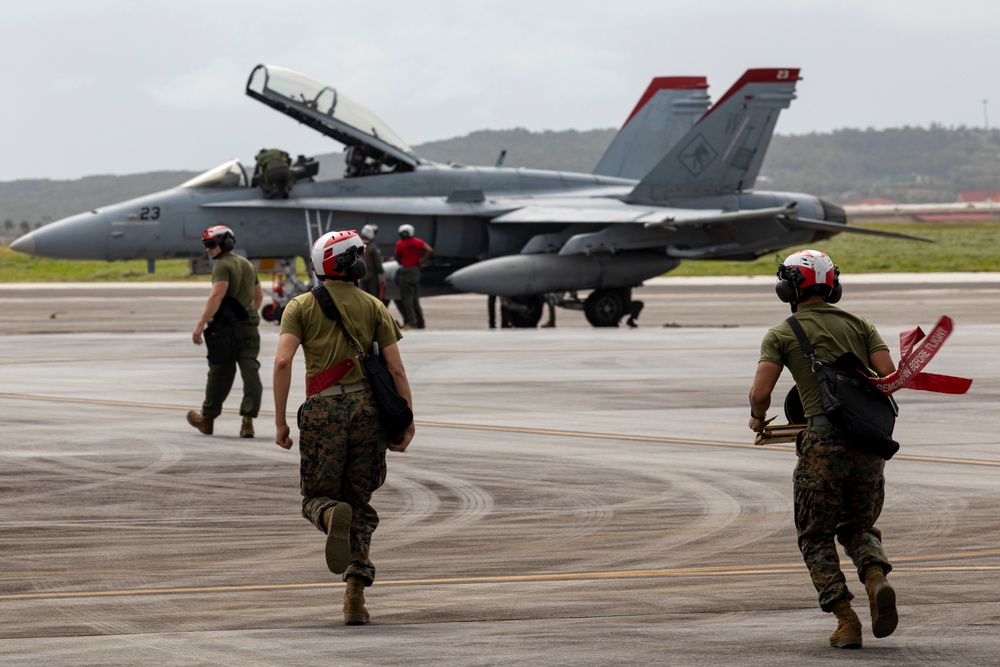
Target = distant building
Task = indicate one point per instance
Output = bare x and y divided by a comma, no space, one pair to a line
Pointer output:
981,196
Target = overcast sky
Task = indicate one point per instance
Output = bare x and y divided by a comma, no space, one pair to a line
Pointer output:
127,86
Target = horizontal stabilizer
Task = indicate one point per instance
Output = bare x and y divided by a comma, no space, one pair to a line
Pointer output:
823,225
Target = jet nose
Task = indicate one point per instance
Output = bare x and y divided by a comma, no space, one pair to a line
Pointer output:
25,244
83,236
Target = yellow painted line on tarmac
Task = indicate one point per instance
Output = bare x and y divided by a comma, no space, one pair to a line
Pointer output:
712,571
516,429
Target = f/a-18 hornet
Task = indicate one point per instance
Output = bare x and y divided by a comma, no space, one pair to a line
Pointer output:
676,183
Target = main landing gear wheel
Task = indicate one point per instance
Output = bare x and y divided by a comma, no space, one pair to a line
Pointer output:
604,307
524,312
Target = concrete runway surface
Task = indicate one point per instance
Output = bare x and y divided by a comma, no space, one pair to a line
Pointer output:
574,496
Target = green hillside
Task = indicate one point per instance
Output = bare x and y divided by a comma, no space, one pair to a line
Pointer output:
907,165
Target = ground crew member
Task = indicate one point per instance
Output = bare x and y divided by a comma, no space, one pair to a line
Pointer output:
411,253
232,276
374,280
342,442
273,173
839,488
491,309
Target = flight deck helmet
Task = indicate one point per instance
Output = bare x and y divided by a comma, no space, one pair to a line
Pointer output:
405,231
368,232
336,255
218,235
805,273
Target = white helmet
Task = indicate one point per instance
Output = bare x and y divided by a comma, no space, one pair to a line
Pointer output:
218,235
336,253
808,272
368,232
406,231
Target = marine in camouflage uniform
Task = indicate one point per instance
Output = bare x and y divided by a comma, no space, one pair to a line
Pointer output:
839,488
273,173
342,441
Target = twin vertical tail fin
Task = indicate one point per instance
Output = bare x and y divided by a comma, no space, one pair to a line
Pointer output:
665,112
722,153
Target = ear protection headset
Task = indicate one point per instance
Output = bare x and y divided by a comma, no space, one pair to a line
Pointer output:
350,265
790,281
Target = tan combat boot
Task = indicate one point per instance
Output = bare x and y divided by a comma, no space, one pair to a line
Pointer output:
337,520
246,430
848,633
355,612
882,600
197,420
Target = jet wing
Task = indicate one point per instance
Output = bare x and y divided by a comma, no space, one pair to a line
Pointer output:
403,206
648,216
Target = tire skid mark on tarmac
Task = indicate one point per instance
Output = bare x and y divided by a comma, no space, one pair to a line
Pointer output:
682,572
516,429
425,492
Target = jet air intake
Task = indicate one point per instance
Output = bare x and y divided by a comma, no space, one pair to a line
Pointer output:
520,275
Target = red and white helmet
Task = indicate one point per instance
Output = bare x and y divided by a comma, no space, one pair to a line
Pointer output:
335,252
219,235
808,272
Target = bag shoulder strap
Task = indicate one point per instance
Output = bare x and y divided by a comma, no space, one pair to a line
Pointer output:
329,309
807,348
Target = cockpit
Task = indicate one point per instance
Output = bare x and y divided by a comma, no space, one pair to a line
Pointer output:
228,175
372,146
232,174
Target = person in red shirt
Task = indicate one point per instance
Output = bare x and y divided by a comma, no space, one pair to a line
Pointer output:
411,253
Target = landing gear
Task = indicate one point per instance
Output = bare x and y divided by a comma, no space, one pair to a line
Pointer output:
605,307
524,312
284,291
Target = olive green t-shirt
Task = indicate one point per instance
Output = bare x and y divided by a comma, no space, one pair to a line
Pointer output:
241,276
832,332
324,344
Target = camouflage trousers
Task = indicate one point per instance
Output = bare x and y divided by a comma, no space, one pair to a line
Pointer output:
839,491
342,459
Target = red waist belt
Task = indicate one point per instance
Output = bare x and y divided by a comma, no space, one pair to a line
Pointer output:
328,377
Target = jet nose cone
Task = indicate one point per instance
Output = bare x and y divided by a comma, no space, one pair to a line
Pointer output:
25,244
83,236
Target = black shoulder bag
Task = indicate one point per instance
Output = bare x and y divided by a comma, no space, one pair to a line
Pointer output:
220,339
395,411
854,405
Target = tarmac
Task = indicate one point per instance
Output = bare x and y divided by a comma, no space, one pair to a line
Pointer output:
574,496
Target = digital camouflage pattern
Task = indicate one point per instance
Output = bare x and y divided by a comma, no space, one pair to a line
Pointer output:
839,491
342,459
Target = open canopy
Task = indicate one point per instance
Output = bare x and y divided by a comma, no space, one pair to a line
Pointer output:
329,111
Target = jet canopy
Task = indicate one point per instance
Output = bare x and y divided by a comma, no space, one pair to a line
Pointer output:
228,175
331,112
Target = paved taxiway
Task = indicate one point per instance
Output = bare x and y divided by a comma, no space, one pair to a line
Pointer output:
573,497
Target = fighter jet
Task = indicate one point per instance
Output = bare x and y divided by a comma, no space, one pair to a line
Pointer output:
524,234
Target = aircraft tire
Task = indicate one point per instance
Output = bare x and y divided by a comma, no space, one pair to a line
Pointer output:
267,312
604,307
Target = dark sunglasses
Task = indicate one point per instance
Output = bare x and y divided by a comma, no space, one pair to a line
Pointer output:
210,244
